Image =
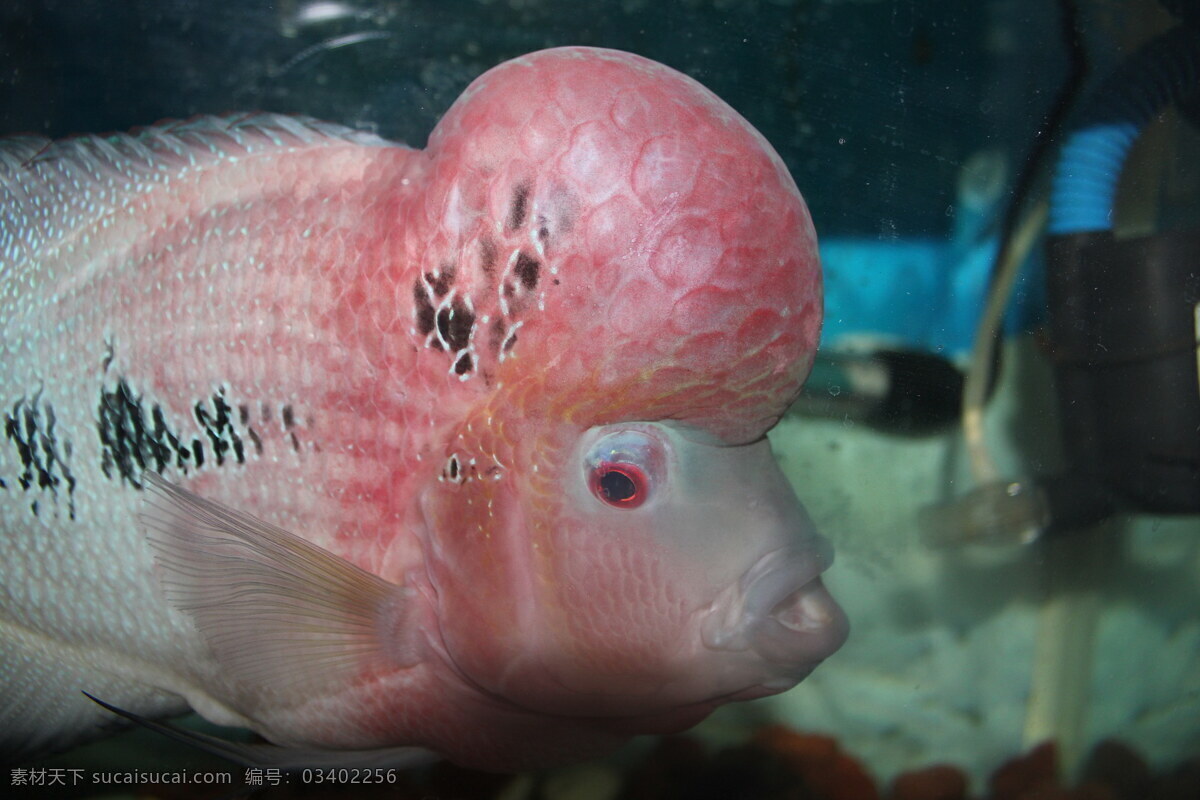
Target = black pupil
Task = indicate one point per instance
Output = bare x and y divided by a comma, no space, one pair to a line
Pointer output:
617,486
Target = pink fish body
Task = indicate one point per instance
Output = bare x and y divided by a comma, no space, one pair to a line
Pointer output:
497,408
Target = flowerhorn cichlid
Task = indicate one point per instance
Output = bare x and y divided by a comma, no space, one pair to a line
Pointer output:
461,449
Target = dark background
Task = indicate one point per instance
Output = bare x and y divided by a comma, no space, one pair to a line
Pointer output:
873,104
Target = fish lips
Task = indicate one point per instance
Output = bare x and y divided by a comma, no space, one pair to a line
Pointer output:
779,621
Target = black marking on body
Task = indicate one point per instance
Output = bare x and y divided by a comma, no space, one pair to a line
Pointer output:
131,443
288,415
217,423
166,442
460,325
519,207
136,434
527,269
496,334
487,255
424,309
456,470
12,432
516,266
32,428
441,282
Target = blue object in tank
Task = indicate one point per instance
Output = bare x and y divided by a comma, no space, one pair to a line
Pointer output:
919,294
1164,71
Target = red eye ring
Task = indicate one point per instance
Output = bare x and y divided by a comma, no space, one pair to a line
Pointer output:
620,484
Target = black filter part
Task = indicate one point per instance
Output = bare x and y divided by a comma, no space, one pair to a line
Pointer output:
1188,11
1123,330
924,393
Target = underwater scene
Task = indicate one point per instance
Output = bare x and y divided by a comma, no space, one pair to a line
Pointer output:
712,399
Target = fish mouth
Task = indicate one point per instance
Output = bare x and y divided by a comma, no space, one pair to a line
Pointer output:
781,612
801,629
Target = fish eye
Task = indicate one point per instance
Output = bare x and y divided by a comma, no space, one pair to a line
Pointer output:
623,467
620,485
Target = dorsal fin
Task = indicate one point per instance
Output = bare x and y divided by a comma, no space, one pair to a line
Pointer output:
48,189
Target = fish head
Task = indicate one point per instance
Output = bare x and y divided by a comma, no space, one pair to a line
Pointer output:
631,569
614,538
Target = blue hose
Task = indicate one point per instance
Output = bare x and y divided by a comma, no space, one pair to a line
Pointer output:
1164,71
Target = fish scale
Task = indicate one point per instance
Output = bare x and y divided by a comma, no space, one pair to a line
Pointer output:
303,428
212,353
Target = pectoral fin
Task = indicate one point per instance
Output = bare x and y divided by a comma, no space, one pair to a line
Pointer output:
281,616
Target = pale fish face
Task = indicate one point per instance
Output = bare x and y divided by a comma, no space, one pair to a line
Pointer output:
650,569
